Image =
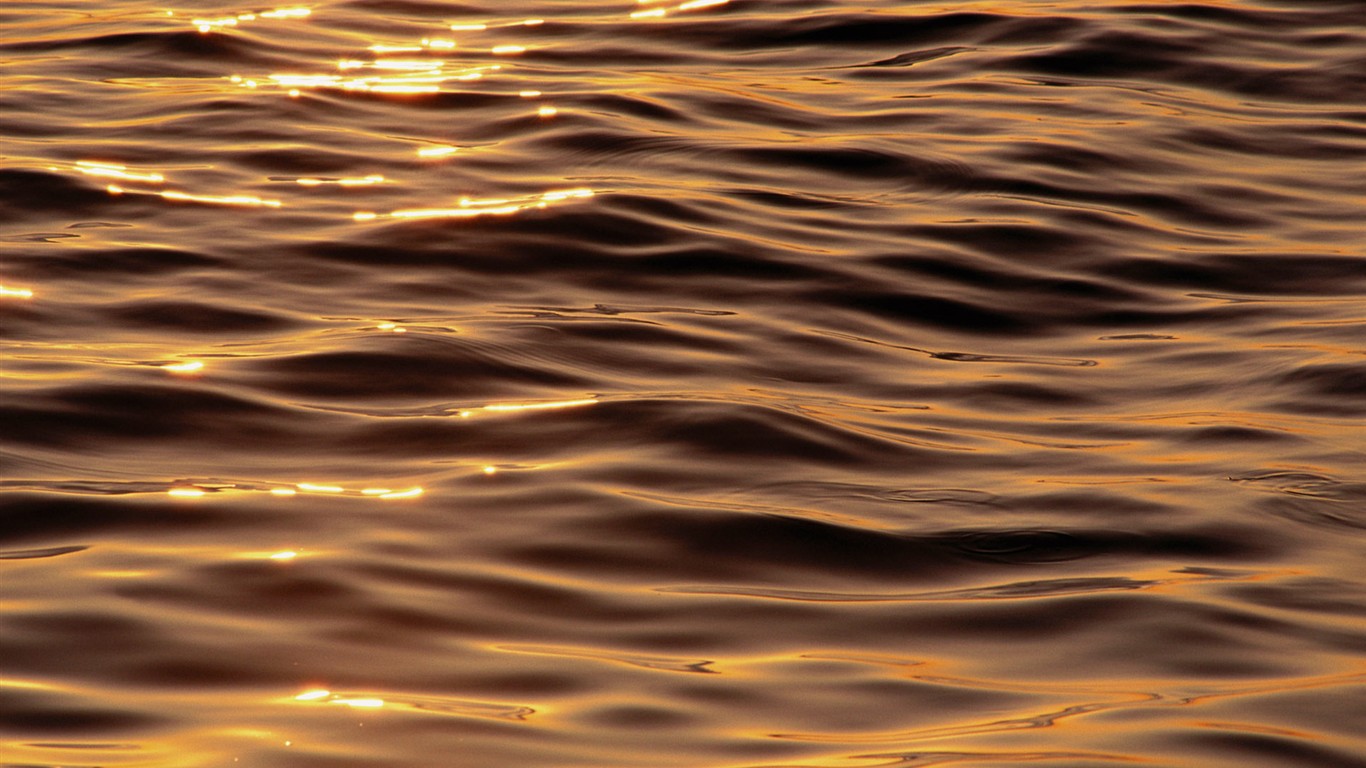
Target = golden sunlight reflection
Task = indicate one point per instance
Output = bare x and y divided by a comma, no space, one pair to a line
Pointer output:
248,201
365,181
382,76
244,200
411,493
437,151
277,556
657,12
520,407
189,366
195,490
469,207
221,23
482,26
113,171
324,696
10,292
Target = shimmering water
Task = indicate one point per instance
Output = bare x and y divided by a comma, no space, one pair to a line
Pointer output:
714,385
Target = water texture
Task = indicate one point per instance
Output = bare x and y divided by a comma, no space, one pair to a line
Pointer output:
558,384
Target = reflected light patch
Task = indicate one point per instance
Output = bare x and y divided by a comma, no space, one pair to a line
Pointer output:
120,172
658,12
189,366
471,207
241,200
287,13
507,50
286,555
411,493
365,181
391,76
209,25
7,292
548,406
33,685
360,703
437,151
283,492
324,696
314,488
186,493
547,112
407,65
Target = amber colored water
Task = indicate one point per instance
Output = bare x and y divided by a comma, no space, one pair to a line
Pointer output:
791,383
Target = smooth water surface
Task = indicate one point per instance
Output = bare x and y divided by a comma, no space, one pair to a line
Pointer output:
570,384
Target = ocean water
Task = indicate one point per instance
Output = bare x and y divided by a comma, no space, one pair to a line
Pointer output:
561,384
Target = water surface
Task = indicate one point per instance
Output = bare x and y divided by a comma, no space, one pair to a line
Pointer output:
714,385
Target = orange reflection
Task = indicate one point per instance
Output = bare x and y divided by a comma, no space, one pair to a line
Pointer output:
190,490
244,200
206,25
7,292
365,181
325,696
411,493
286,13
658,12
519,407
437,151
189,366
470,208
121,172
384,76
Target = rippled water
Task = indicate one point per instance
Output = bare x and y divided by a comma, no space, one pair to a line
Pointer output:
792,383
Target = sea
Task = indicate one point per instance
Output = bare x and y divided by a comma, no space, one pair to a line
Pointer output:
683,384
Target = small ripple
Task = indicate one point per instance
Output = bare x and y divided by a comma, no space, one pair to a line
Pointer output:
663,663
1023,590
30,554
1311,498
969,357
